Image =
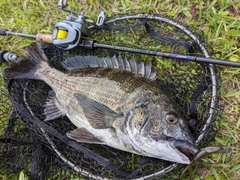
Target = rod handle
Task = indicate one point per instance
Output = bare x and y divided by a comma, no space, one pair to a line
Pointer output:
3,32
47,38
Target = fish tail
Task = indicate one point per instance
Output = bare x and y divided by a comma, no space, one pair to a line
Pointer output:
30,66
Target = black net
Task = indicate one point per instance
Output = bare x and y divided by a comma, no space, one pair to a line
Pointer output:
43,151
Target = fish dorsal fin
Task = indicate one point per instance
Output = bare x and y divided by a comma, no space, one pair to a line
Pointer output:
148,70
133,65
80,62
115,62
51,111
98,115
141,69
126,64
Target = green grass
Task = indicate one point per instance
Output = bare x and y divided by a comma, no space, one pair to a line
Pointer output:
218,19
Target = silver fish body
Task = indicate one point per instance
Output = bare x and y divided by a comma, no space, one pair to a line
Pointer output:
112,106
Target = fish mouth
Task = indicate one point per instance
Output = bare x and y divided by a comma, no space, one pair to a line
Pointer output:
187,148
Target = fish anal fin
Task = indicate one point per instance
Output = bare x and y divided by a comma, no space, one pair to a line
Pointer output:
84,136
98,115
51,111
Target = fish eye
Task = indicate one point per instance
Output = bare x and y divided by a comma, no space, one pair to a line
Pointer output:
171,118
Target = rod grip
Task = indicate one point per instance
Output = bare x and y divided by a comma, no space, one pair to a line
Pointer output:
3,32
47,38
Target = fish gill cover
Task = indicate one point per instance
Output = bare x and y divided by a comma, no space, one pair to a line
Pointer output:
43,151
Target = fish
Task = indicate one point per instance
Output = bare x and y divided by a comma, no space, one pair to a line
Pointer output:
112,101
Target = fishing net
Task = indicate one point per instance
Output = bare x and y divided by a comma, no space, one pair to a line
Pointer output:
42,150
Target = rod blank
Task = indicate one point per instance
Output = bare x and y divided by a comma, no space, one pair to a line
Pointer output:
17,34
170,55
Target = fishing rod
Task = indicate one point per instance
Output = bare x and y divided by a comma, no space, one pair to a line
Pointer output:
47,38
70,32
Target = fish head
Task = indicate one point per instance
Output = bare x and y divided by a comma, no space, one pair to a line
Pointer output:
164,132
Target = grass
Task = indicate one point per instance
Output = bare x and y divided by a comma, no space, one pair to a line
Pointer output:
218,19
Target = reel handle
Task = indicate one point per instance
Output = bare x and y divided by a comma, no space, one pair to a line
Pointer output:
62,4
6,56
2,59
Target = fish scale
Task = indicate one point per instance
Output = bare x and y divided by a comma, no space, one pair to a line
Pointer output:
97,90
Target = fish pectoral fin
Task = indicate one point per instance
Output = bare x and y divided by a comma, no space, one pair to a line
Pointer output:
84,136
51,111
98,115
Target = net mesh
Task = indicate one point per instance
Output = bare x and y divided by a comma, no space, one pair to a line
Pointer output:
42,150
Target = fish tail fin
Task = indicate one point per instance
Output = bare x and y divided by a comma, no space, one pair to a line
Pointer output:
29,66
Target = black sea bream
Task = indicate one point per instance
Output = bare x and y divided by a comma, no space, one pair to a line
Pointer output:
111,101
